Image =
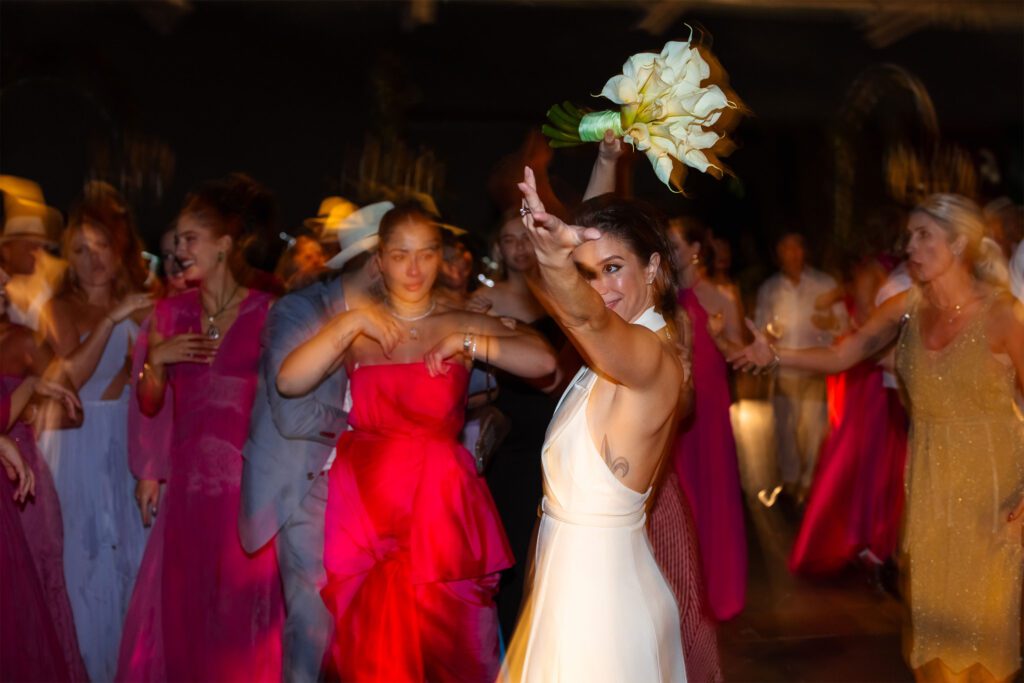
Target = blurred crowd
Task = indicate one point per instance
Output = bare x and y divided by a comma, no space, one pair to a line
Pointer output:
168,421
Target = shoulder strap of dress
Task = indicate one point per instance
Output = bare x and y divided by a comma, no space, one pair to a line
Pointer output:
651,319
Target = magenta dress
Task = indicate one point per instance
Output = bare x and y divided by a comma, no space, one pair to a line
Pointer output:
202,609
30,647
705,462
43,532
856,503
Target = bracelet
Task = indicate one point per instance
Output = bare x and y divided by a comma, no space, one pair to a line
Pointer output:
472,351
776,360
467,342
146,368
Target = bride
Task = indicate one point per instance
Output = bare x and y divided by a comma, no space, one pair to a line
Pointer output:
599,608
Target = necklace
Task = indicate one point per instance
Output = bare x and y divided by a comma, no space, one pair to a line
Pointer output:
212,331
953,312
414,332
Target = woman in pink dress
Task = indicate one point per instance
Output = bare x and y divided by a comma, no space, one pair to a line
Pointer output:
856,503
39,516
30,649
202,609
705,450
413,542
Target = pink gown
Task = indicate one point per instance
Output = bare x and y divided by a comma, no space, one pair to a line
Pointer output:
30,648
202,609
856,502
43,533
413,543
705,462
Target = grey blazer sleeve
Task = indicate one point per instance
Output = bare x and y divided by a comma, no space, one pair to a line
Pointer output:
290,322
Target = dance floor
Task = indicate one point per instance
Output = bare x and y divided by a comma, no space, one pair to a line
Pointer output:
842,629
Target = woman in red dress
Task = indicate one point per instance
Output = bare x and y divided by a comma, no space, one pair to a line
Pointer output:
413,543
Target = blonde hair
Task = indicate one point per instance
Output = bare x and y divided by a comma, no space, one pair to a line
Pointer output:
958,216
123,283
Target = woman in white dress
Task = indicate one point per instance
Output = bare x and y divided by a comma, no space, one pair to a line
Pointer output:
89,325
599,608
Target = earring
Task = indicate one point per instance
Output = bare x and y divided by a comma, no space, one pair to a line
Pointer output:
220,257
695,259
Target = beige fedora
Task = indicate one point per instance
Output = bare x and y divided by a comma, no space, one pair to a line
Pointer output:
356,231
31,220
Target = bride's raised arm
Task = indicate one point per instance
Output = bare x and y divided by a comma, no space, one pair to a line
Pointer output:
627,354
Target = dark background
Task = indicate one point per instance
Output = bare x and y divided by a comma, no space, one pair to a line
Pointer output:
288,92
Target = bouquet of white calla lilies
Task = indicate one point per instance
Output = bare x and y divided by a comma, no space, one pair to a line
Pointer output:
668,109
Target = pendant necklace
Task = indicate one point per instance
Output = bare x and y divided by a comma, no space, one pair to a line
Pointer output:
952,312
212,331
414,332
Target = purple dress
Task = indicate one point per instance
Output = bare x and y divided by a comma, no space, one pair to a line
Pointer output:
43,534
705,462
202,609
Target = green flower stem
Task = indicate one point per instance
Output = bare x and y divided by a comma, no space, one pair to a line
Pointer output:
556,134
562,120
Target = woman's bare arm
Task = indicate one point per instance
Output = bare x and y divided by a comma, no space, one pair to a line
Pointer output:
880,329
322,354
602,175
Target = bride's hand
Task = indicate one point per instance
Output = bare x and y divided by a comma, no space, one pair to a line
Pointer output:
755,356
552,238
610,148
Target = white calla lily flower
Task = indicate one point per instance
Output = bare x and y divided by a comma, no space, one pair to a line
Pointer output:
695,158
621,90
665,110
640,68
663,165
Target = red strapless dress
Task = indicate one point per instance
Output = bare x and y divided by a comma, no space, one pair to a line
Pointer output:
413,542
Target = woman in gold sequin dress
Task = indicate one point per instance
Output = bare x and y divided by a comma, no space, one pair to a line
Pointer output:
960,353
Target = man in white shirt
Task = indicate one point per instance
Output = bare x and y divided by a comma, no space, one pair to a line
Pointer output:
799,308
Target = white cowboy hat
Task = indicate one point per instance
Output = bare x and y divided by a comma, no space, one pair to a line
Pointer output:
357,232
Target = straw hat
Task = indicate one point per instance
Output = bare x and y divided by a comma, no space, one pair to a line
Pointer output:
30,220
316,224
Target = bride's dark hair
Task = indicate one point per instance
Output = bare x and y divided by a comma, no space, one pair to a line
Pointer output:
643,229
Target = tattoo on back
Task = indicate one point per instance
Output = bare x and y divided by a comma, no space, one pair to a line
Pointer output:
618,466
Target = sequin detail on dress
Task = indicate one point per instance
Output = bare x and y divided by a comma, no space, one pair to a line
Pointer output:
965,472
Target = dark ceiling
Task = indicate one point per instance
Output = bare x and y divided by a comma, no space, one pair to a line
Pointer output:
288,91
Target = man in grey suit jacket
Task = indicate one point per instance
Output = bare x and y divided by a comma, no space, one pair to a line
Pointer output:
291,444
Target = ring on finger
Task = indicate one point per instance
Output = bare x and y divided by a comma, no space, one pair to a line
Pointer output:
524,210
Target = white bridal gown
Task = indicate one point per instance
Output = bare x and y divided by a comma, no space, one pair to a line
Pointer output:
599,608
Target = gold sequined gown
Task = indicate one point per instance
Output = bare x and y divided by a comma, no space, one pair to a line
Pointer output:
965,474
